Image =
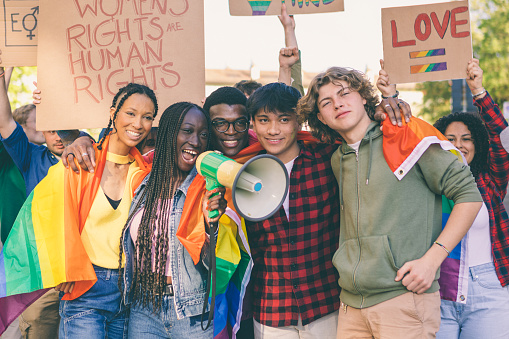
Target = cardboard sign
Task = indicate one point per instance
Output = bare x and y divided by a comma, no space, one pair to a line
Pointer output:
273,7
428,42
18,31
88,49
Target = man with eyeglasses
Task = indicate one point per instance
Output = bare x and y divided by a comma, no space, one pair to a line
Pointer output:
227,109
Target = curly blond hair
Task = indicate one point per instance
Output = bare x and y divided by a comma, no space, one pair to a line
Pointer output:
307,108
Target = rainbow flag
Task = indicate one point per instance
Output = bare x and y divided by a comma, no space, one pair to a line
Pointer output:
453,271
44,247
404,146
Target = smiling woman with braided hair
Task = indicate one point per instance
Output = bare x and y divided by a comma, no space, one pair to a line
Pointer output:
97,311
162,284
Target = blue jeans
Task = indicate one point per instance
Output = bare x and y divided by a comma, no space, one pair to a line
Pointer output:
98,313
486,313
144,323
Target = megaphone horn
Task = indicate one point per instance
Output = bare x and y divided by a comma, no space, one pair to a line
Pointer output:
259,187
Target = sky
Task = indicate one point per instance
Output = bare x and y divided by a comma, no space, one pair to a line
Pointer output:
352,38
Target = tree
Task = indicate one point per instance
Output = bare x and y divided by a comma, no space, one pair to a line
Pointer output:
490,38
491,46
436,101
20,91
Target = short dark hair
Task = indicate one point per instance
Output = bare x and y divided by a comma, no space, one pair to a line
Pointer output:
247,86
273,97
479,133
225,95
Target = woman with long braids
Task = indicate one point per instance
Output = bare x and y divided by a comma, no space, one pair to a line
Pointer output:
98,312
480,306
163,286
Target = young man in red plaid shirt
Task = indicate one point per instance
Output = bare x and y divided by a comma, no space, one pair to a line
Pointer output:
295,283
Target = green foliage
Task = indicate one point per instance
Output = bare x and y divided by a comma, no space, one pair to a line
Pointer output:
20,87
490,38
491,46
436,100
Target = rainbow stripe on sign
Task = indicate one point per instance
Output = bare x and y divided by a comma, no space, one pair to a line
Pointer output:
440,66
427,53
259,7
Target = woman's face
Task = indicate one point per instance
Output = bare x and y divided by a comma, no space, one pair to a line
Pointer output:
459,135
191,139
133,123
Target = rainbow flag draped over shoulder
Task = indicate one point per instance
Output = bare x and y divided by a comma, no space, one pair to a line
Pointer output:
233,255
402,147
44,247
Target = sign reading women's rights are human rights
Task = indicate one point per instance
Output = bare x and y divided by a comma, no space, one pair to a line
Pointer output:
88,49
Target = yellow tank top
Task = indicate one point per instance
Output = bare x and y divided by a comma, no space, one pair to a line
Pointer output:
103,228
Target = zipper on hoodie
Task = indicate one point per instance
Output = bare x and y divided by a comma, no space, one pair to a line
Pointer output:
358,225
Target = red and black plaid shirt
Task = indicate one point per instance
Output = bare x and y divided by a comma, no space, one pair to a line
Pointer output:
293,272
493,184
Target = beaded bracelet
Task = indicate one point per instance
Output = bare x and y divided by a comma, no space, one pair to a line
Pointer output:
392,96
445,249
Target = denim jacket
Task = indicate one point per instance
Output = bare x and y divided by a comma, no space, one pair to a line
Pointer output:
189,281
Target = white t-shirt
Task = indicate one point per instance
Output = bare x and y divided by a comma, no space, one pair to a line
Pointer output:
479,240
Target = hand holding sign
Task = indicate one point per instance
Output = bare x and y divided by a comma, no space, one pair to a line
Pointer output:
474,77
428,42
273,7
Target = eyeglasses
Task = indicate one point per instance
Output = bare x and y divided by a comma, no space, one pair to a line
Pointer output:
239,125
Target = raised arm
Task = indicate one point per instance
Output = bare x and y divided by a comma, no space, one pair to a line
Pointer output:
7,123
496,125
289,57
390,105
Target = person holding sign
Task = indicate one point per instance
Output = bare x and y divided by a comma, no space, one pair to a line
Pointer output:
389,251
478,304
163,286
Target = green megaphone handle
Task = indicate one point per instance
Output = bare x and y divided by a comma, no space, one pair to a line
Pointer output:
212,184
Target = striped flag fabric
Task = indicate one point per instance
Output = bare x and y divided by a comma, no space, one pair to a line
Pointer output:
44,247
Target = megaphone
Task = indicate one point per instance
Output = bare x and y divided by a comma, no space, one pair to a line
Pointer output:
259,187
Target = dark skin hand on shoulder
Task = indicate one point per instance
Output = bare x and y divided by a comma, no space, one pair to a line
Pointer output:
83,151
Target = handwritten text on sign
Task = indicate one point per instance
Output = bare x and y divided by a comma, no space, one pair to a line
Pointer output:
18,29
430,42
109,43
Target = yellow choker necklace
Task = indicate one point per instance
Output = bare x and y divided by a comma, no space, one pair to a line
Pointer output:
119,159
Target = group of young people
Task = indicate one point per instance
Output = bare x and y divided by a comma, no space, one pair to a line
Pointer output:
355,251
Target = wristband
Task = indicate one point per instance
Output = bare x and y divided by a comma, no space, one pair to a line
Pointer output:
445,249
479,94
392,96
2,74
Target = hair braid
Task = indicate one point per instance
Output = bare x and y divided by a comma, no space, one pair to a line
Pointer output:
152,243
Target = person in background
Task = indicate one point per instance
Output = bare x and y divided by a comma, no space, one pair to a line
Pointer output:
247,87
479,308
23,144
12,186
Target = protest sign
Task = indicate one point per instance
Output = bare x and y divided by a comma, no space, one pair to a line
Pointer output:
427,42
88,49
18,31
273,7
